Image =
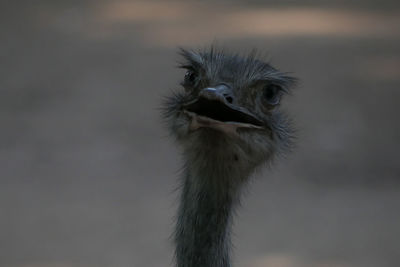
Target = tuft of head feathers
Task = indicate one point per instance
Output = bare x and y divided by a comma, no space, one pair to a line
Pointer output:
246,69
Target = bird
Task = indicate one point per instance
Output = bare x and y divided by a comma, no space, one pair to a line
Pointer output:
226,119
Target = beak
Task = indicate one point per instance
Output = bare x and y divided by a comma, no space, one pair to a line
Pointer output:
217,104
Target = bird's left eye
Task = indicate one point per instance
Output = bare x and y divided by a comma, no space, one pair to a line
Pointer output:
190,77
272,94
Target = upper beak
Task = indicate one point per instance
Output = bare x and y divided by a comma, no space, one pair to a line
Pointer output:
220,92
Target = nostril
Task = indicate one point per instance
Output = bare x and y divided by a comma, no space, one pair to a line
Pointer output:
228,98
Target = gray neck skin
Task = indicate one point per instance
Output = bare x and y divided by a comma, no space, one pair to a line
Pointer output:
210,191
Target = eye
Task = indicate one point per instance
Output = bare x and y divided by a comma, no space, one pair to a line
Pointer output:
190,78
272,94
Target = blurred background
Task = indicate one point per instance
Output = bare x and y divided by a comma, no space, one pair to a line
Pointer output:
88,173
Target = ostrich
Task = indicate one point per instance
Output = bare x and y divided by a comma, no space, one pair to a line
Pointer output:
228,123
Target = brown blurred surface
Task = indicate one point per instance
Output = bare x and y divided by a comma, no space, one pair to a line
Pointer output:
87,172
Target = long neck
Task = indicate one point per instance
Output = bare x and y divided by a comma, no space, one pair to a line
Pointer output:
202,235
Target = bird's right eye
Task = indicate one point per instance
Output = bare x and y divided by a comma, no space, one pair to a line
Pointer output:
190,78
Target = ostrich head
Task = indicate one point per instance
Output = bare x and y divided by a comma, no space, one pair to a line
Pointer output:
229,108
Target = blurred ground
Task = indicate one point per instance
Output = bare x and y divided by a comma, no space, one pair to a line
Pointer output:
87,174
